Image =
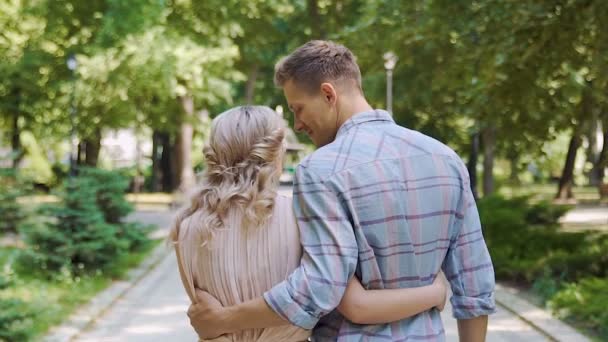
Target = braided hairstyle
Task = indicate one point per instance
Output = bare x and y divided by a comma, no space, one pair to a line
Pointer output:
243,164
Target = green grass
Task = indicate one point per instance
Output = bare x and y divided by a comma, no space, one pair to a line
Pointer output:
583,194
55,300
536,299
142,201
158,197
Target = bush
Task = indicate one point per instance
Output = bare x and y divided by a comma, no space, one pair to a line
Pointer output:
546,286
76,237
10,210
111,187
110,193
135,235
568,270
584,302
546,213
586,257
85,231
509,236
524,239
15,317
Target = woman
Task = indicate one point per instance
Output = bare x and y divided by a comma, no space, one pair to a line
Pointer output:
239,237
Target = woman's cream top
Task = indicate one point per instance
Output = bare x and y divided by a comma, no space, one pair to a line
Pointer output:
241,264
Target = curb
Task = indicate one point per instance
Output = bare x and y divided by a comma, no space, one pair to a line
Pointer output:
86,316
537,318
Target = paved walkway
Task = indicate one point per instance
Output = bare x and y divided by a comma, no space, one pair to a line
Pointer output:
587,215
154,311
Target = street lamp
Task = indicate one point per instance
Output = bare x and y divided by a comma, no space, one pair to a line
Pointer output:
72,64
390,59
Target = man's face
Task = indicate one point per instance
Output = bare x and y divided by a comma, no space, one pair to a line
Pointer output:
313,114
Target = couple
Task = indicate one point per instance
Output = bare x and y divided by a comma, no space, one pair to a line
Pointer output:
377,212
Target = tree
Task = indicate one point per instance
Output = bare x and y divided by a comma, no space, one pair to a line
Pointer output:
509,68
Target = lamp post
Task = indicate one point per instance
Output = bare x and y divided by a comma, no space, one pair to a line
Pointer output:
390,59
72,64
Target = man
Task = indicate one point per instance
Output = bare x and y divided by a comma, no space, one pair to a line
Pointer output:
375,200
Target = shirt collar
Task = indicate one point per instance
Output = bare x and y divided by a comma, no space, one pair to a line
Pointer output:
367,116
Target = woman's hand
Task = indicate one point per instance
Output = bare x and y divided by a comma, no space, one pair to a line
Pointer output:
442,285
205,316
353,302
354,288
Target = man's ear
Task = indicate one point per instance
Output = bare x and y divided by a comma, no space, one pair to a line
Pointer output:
329,92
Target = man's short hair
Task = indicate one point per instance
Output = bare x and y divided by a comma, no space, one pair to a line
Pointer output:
316,62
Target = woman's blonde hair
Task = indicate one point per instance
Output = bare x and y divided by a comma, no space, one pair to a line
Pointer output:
243,165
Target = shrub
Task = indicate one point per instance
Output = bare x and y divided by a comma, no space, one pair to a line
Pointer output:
11,211
85,231
546,213
568,270
587,255
110,193
15,317
508,236
584,302
546,286
523,238
76,237
135,235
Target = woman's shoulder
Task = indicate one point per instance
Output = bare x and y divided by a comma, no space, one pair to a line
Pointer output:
183,228
284,210
283,204
284,198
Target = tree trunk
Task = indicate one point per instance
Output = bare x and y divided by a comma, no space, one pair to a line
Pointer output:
92,146
514,166
15,141
167,163
183,147
566,181
488,137
138,180
316,24
16,131
250,86
80,152
564,191
156,158
599,167
472,164
592,149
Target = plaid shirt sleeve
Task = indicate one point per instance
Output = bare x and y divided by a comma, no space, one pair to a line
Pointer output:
329,257
468,266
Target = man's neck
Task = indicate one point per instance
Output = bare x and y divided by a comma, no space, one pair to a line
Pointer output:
351,107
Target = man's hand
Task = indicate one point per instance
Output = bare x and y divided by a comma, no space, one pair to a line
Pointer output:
206,316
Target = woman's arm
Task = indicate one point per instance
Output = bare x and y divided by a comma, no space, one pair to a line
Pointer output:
384,306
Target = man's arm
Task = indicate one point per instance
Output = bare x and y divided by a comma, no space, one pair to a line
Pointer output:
473,330
468,267
330,252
